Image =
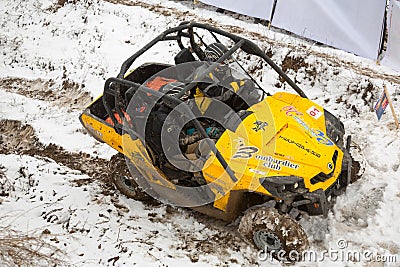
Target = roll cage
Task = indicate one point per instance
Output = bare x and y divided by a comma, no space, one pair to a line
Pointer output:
186,30
116,89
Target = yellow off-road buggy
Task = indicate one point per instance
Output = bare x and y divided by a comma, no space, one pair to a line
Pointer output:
220,144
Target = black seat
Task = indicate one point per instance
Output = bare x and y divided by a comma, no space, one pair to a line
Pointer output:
184,56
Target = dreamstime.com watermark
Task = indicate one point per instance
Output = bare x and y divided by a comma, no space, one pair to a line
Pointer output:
338,254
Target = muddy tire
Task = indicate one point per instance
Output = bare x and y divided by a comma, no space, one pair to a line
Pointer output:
126,186
278,234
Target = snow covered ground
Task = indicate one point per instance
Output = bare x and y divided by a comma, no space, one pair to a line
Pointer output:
54,59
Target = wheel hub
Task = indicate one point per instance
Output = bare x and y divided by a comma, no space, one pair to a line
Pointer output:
267,241
127,183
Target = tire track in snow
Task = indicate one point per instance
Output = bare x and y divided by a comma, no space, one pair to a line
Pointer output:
19,139
69,94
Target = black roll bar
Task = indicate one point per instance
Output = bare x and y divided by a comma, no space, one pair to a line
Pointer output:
247,46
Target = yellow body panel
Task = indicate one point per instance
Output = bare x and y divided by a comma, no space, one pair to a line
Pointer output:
133,149
102,131
287,146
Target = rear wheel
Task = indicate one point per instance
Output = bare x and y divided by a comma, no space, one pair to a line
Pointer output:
275,233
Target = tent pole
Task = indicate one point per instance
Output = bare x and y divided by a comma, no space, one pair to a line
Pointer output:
272,14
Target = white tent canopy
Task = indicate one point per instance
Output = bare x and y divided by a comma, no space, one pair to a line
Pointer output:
254,8
392,56
354,26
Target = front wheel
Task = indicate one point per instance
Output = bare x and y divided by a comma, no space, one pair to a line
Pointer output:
274,233
126,186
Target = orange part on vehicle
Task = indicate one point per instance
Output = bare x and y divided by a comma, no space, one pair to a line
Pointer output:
116,115
158,82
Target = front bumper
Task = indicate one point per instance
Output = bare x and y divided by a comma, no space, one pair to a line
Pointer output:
292,191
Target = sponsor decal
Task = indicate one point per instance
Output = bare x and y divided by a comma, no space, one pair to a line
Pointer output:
290,111
98,133
239,141
314,112
308,150
317,134
257,171
259,125
93,131
244,152
276,164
